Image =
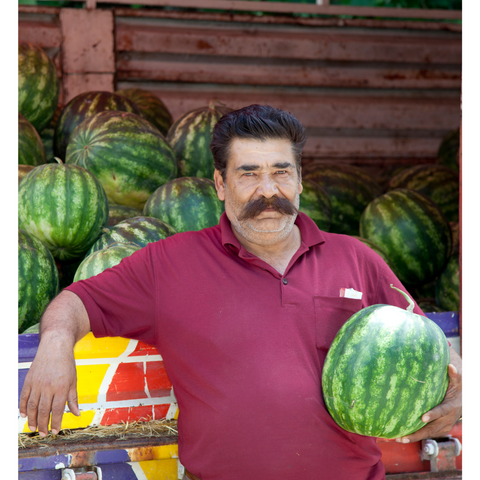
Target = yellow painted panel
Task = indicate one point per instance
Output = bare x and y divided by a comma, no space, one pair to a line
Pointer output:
160,452
89,379
71,421
106,347
160,469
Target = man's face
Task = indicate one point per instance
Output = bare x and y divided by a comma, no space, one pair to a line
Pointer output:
261,190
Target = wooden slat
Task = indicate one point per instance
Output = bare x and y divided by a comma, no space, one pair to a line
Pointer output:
254,71
280,42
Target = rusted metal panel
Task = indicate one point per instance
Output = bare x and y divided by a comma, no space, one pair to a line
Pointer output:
87,41
74,83
43,33
260,71
286,7
287,43
287,19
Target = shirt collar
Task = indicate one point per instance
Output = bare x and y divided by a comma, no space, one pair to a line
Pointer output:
311,235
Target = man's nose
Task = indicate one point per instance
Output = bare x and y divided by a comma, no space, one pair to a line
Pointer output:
267,187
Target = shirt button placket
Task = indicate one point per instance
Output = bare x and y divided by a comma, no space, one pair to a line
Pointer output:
285,281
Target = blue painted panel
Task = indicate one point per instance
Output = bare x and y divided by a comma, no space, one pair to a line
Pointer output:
22,373
41,475
111,456
118,471
447,321
27,347
43,463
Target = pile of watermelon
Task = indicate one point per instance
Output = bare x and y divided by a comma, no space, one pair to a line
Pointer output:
101,177
113,170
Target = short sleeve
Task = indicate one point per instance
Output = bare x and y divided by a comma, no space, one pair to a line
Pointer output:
120,301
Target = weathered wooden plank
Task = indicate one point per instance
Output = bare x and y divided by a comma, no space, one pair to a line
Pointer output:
254,71
282,42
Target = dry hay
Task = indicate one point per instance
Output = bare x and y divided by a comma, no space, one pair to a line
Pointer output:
152,428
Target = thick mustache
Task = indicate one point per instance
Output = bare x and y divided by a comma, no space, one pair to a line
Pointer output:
256,207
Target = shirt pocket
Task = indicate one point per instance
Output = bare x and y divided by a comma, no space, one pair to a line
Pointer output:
330,314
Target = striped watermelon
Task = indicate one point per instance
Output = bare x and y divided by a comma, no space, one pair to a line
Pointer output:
100,260
455,228
64,206
38,85
37,279
385,368
447,287
84,106
412,231
127,154
23,170
375,248
350,191
449,150
30,146
150,106
137,230
186,203
437,182
117,213
315,202
190,137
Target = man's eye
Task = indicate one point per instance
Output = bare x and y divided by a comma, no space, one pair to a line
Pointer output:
248,174
281,172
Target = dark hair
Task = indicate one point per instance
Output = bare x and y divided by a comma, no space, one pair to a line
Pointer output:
256,122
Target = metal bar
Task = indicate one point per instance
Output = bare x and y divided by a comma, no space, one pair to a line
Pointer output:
286,7
91,4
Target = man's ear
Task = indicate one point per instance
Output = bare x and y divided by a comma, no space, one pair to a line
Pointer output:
300,186
219,185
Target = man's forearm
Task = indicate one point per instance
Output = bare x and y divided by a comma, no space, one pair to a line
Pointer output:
65,318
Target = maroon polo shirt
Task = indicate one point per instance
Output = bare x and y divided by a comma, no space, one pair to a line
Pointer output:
244,346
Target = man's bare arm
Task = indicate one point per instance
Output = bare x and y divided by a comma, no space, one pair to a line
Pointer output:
441,419
52,380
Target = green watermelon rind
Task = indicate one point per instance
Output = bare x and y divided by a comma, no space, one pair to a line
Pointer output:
30,146
100,260
128,155
38,280
315,202
385,368
186,203
83,106
137,230
190,138
412,231
38,85
447,286
64,206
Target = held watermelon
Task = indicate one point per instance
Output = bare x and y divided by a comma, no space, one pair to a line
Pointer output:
137,230
30,146
186,203
38,85
385,368
190,138
412,231
315,202
37,279
84,106
100,260
64,206
150,106
127,154
350,190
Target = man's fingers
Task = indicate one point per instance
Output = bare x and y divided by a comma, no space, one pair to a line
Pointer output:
43,414
72,400
32,410
58,407
24,395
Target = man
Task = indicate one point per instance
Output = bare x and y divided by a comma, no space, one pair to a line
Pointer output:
243,314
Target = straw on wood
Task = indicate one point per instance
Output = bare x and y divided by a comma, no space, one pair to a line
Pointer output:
152,428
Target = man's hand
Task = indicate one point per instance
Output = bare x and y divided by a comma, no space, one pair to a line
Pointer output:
441,419
52,378
51,382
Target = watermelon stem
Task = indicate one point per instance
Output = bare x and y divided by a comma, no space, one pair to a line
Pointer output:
411,304
58,160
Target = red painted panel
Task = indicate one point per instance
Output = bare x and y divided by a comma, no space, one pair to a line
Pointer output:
143,349
127,383
157,380
126,414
